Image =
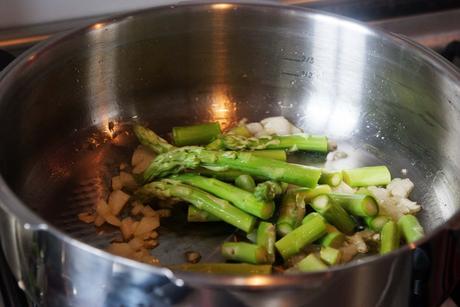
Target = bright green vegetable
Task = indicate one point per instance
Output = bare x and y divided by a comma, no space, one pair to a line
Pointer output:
410,228
228,175
223,268
308,194
245,252
291,212
245,182
333,239
356,204
240,130
266,237
242,199
313,228
376,223
268,190
311,263
330,255
366,176
389,238
178,160
332,178
334,213
195,135
293,142
196,215
151,140
220,208
270,154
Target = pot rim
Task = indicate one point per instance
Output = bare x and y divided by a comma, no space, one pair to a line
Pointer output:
33,222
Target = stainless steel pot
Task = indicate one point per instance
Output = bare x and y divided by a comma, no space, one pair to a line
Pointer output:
383,98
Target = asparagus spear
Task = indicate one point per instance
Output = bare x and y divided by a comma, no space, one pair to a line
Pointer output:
151,140
311,230
311,263
245,182
228,175
223,268
195,135
192,157
376,223
308,194
330,255
220,208
333,239
268,190
266,237
244,252
356,204
292,209
366,176
242,199
196,215
291,213
270,154
241,130
333,213
293,142
389,238
332,178
410,228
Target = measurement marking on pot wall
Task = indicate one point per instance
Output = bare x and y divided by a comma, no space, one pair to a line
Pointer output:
302,74
302,59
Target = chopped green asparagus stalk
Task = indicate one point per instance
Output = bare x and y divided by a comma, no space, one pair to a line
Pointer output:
332,178
276,154
242,199
293,207
334,213
191,157
293,142
196,215
266,237
311,263
223,268
410,228
150,139
366,176
228,175
333,239
268,190
244,252
240,130
245,182
356,204
330,255
310,231
195,135
308,194
292,212
389,238
376,223
220,208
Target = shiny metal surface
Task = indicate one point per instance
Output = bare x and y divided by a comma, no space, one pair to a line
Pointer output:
382,98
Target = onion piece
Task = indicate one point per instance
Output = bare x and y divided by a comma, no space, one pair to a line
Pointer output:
117,200
147,224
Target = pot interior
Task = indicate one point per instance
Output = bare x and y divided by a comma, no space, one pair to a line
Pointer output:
383,101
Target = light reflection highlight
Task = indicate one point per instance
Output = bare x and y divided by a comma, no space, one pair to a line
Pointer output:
258,281
98,26
222,108
222,6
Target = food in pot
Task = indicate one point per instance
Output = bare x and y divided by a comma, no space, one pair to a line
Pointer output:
298,218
